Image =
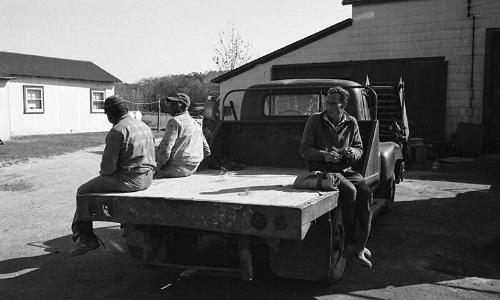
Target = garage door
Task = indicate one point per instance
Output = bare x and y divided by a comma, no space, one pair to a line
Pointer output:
425,86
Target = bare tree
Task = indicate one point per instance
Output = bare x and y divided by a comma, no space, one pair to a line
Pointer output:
231,51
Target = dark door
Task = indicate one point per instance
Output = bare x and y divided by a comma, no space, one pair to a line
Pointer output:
313,70
377,71
491,100
425,91
425,86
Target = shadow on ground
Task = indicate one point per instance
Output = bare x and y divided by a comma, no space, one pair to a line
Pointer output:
426,241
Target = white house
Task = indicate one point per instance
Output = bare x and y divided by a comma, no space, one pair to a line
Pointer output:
446,50
46,95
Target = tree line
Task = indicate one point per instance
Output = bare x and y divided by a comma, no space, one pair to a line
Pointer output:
149,90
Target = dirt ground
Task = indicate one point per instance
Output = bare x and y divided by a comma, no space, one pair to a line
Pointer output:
442,241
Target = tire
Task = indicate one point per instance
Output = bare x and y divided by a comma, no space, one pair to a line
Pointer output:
337,254
135,252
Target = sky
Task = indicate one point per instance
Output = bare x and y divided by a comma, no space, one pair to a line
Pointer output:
134,39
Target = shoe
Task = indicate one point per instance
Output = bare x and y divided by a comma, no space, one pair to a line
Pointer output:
362,260
367,253
84,244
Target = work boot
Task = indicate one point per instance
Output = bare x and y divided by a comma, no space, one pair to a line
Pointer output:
361,259
84,244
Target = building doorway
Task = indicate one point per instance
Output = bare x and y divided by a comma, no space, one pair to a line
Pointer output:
491,100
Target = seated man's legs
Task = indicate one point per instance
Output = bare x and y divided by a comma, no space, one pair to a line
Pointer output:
356,210
170,171
105,184
99,184
347,200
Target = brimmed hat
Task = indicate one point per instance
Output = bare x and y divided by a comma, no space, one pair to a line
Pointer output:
180,97
113,101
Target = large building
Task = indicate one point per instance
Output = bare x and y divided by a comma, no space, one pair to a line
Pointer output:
45,95
446,51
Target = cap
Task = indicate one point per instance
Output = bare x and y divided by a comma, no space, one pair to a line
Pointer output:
112,101
180,97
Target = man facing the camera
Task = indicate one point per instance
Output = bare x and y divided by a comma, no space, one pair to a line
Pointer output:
331,143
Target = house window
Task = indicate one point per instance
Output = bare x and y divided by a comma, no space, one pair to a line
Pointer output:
97,101
33,100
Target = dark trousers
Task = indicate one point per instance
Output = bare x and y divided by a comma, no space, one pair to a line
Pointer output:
355,200
108,184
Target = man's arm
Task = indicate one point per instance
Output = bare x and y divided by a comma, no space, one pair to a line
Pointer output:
306,148
206,148
109,162
167,143
357,144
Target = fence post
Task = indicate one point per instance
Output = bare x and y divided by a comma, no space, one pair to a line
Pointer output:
159,112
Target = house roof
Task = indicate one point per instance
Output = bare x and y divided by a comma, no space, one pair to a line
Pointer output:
282,51
16,64
361,2
4,72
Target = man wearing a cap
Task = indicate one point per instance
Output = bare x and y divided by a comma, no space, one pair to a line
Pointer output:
127,165
183,146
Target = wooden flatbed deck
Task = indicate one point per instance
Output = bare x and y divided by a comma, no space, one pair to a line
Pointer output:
255,201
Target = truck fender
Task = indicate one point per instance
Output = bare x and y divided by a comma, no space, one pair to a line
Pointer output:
390,153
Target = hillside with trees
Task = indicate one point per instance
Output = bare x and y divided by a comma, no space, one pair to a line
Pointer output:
197,85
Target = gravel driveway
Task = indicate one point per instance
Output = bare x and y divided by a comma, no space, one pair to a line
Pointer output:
442,241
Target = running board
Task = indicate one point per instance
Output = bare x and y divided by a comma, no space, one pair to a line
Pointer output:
378,204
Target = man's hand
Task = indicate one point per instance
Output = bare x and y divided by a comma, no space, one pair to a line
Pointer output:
349,153
332,157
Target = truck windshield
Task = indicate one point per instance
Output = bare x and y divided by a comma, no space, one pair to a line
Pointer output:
292,105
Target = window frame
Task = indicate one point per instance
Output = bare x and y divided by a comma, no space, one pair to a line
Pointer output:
320,95
25,99
97,110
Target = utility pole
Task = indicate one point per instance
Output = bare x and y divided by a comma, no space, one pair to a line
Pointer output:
159,112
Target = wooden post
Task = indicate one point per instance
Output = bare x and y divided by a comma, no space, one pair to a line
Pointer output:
159,112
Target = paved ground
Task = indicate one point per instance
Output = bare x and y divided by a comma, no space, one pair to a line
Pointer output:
442,241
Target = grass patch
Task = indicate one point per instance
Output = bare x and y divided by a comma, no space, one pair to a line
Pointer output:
21,149
41,146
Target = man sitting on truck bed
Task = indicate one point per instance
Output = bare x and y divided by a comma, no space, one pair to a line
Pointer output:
330,143
183,146
127,165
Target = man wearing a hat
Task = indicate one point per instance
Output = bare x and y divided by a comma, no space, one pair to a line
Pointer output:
183,146
127,165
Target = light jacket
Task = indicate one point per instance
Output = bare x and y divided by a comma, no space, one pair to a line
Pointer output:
183,143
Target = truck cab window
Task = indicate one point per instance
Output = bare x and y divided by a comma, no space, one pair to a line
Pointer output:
291,105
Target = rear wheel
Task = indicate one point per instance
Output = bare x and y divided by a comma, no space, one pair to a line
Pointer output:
135,252
318,257
337,256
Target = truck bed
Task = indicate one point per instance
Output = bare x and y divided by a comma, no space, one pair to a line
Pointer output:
255,201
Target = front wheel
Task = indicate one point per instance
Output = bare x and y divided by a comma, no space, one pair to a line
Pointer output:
389,192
